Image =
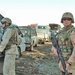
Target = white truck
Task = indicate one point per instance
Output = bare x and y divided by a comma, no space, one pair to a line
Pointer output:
43,33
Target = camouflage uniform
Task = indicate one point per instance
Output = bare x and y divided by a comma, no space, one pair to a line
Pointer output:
71,59
66,42
9,41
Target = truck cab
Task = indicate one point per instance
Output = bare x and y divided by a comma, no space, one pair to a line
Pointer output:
43,33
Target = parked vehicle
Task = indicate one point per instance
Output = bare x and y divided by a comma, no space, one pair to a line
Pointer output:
43,33
21,47
30,35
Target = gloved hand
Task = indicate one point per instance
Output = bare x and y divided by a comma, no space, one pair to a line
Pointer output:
61,67
54,51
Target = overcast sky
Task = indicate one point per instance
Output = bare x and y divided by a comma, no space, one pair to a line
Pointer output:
25,12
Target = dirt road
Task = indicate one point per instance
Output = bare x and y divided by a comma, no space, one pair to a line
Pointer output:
39,62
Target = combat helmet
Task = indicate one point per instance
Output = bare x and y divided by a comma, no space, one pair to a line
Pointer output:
69,15
8,20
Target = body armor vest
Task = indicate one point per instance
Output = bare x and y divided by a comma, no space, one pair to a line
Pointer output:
13,39
65,42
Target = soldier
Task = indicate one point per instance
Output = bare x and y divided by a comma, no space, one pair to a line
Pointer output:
66,40
9,44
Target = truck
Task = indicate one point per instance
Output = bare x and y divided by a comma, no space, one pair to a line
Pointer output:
43,33
31,40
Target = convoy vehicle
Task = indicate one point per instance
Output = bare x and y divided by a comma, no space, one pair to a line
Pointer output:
31,40
21,47
43,33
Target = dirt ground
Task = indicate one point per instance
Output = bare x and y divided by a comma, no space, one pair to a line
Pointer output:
41,61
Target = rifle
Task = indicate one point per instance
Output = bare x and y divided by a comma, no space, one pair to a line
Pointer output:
60,56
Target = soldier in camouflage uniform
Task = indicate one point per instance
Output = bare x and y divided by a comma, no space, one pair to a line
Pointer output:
9,44
66,40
